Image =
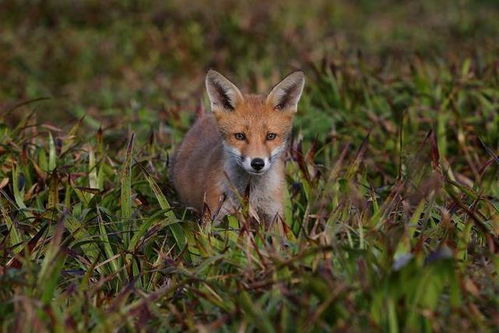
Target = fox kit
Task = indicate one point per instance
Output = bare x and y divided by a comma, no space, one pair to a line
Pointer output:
237,150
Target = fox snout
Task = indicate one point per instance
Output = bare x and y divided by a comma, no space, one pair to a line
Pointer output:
256,165
253,161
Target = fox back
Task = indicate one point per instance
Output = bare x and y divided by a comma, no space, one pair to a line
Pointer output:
237,149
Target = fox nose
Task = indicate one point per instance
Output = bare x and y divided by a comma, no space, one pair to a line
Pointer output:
257,164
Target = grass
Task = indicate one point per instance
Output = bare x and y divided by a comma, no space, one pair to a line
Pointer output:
392,201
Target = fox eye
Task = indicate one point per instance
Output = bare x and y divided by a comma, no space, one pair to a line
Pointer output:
240,136
271,136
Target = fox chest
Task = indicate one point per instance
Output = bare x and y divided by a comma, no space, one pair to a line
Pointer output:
262,193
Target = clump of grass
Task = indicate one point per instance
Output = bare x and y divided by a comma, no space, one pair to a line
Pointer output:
391,219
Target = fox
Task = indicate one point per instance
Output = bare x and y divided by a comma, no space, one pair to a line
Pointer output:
236,150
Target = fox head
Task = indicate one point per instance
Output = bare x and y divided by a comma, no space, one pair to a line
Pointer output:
254,128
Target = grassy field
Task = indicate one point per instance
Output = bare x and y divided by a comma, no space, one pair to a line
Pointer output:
392,209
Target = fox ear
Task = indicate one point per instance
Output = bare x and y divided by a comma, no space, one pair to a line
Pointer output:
223,94
286,94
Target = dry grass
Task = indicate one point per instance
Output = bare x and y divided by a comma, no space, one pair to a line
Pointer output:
392,204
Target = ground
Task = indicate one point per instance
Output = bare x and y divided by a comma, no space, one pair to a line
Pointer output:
392,199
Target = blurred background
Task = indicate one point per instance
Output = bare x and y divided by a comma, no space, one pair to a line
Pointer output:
114,59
